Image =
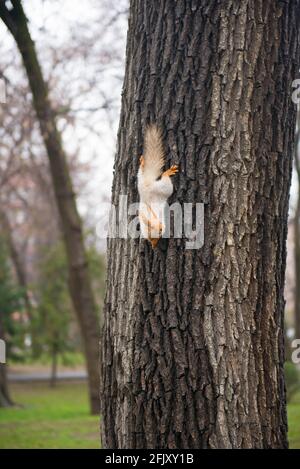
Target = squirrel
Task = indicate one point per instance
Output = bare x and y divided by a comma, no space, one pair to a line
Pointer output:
154,186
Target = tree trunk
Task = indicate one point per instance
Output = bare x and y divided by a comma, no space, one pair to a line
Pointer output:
5,399
16,260
80,286
193,346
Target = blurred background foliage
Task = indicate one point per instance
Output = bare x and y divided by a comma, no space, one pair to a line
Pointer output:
11,307
81,49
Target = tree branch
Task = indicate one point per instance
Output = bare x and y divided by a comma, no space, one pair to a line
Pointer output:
7,18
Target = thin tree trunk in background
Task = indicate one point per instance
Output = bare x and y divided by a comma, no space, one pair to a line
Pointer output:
193,346
297,241
53,378
15,257
5,399
80,286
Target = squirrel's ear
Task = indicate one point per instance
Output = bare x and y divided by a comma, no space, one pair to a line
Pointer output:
142,161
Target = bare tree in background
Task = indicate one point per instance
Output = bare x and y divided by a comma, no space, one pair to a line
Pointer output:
7,232
80,287
5,399
297,235
83,69
82,103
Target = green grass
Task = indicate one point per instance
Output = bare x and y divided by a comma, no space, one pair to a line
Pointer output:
49,418
70,359
294,421
59,418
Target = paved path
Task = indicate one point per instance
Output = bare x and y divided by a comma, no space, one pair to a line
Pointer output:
45,376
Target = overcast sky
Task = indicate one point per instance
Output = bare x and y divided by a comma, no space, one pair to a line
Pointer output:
53,24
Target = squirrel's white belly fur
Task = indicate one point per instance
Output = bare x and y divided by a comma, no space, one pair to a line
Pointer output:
153,199
154,186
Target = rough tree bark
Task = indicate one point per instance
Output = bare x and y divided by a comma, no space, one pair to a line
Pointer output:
193,339
80,286
5,399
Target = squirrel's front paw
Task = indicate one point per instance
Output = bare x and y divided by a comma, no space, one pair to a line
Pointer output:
170,172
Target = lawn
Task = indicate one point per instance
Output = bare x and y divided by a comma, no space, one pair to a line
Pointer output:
59,418
49,418
294,421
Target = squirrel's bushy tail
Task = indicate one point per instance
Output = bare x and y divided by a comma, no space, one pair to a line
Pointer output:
154,154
